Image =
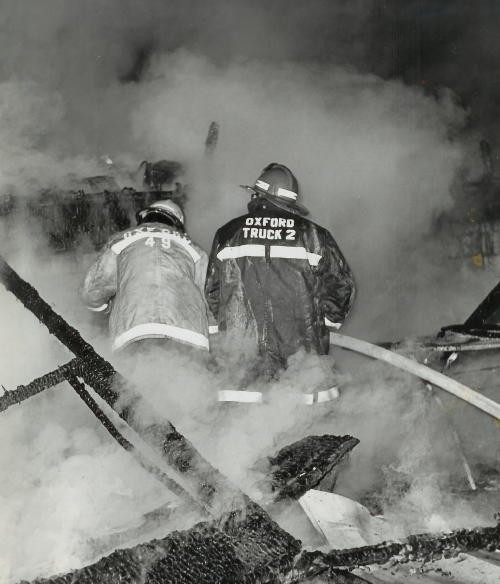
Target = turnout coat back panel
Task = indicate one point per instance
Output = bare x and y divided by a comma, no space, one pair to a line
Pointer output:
153,276
278,276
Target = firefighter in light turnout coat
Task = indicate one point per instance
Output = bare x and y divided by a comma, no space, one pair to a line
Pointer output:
150,278
278,278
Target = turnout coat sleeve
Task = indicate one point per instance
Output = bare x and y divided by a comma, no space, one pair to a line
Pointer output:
100,283
337,287
201,269
212,285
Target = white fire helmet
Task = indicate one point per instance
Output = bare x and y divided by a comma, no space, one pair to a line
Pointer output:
165,207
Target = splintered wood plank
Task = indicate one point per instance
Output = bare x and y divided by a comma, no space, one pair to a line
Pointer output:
398,575
472,568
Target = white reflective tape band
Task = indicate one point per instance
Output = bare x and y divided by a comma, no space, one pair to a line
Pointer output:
159,330
213,329
262,185
321,396
241,251
286,193
99,308
328,394
335,325
290,252
276,251
313,258
246,397
119,246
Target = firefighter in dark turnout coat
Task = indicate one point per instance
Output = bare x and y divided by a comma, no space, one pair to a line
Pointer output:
277,277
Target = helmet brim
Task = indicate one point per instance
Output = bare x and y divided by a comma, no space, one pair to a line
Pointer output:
152,214
285,204
249,189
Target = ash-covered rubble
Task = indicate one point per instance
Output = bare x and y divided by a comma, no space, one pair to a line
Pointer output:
90,209
93,208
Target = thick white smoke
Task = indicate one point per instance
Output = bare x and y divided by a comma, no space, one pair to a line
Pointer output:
375,159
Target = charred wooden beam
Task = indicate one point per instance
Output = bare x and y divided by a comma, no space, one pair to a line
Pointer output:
301,466
211,487
68,372
157,472
422,547
24,392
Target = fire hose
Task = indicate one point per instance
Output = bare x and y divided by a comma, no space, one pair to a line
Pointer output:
433,377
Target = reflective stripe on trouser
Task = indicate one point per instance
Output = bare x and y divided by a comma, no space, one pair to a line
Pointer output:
317,397
255,397
241,396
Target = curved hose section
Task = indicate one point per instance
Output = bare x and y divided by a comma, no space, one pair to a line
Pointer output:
434,377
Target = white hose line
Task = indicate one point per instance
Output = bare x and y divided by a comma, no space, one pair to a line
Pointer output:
434,377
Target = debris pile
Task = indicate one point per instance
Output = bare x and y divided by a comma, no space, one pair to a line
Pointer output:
93,208
243,544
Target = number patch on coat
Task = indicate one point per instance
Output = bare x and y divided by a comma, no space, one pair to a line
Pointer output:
164,241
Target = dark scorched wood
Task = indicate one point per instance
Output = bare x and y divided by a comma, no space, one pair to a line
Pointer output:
422,547
301,466
211,488
246,548
24,392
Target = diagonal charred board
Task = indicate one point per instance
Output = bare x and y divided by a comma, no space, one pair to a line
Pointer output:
211,488
157,472
69,372
24,392
301,466
422,547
